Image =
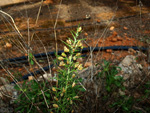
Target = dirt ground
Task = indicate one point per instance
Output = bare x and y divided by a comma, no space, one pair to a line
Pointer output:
107,17
111,23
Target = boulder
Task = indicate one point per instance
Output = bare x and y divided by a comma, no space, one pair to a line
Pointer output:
131,70
3,81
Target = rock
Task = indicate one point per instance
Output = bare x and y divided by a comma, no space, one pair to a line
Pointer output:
125,34
48,2
128,61
47,77
112,28
30,78
7,90
85,34
3,81
114,39
8,45
119,38
130,70
125,28
115,33
25,54
128,39
130,50
109,50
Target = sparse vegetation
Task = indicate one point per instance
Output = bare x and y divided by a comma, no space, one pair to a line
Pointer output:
71,83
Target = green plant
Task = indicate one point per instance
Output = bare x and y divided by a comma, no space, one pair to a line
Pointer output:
60,97
114,92
31,59
113,86
31,98
109,72
66,91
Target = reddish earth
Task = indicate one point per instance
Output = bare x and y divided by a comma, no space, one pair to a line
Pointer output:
124,32
114,40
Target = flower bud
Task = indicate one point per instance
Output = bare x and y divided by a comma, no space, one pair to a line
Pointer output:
71,102
76,97
55,106
72,111
60,58
79,29
80,67
74,58
73,75
62,63
76,64
56,98
66,49
78,54
53,89
73,84
63,54
64,90
69,42
61,94
68,62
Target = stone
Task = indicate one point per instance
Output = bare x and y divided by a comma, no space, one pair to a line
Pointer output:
48,2
48,77
114,33
114,39
30,78
109,50
7,90
8,45
85,34
130,50
125,28
112,28
119,38
130,70
3,81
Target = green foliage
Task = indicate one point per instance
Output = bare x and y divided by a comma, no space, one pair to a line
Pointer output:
61,96
31,94
31,59
67,90
114,84
108,72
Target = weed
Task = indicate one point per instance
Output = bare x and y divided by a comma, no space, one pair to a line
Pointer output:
112,82
61,97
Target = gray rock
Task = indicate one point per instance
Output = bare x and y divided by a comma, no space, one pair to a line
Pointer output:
129,66
130,70
7,90
3,81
